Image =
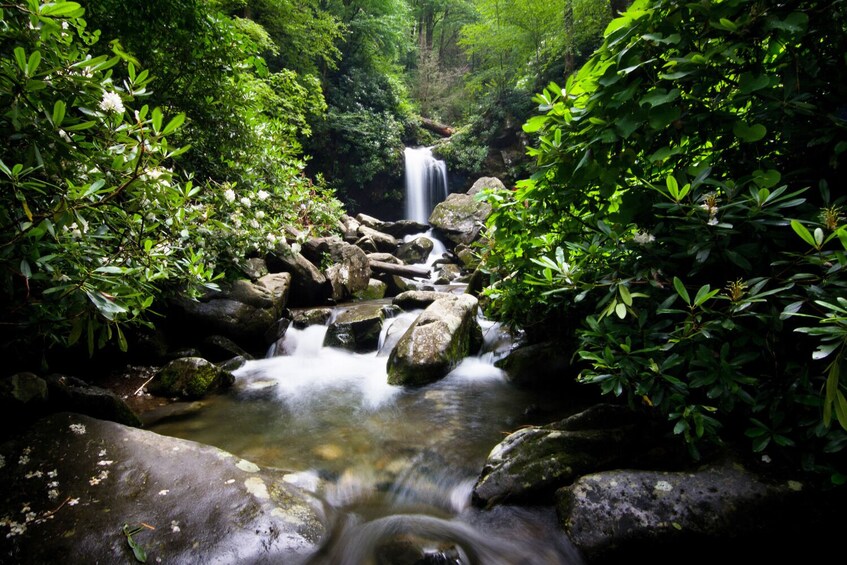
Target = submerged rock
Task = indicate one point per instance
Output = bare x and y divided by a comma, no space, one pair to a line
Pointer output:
436,342
73,483
189,377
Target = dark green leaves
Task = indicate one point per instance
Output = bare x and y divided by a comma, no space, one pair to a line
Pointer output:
749,133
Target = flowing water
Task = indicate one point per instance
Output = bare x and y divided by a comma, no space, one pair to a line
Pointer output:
426,183
394,465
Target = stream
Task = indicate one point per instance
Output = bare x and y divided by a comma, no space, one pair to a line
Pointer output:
394,465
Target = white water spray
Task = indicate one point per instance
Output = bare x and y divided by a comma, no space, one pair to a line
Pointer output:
426,183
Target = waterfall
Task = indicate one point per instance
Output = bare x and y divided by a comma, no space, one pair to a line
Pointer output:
426,183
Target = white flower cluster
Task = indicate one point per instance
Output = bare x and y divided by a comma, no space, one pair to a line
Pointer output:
112,103
643,237
96,480
78,429
710,205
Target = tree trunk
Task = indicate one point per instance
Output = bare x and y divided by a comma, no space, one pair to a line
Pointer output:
408,271
435,127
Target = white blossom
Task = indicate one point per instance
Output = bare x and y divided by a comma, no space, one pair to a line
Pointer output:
643,238
112,102
73,502
245,202
271,238
52,494
175,526
260,214
263,195
712,221
229,195
78,429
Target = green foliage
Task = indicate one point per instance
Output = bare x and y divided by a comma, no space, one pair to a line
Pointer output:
358,147
680,215
96,223
81,176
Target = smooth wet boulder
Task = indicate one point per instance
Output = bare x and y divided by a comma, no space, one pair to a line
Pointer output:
531,463
436,342
415,251
72,483
614,514
460,217
189,377
356,328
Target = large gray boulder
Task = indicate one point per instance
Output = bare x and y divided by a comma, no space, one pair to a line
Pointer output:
242,311
614,514
309,286
486,183
348,270
531,463
72,482
460,217
436,342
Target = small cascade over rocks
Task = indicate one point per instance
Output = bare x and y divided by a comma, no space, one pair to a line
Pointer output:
426,183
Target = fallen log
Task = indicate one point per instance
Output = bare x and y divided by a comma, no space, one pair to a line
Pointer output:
409,271
436,127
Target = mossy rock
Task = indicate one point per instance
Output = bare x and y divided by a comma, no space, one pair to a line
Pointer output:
189,377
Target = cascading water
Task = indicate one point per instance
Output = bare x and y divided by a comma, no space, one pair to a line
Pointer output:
426,183
394,465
